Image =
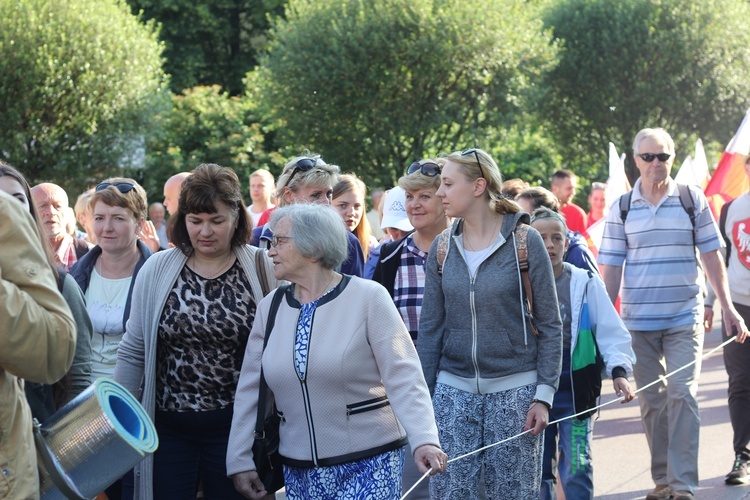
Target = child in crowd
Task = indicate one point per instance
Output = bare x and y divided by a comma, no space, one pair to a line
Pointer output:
594,337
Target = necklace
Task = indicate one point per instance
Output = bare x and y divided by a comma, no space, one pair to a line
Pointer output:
493,235
217,272
317,296
117,286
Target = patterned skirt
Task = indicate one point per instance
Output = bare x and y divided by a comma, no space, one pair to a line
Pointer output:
375,478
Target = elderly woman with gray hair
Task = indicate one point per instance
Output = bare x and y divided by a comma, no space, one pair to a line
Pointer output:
343,371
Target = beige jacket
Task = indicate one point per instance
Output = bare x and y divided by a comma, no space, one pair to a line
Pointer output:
364,392
37,342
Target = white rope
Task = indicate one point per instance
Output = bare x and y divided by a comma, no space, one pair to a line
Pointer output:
661,378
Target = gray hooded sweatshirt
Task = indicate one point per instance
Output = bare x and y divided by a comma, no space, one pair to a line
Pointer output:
472,329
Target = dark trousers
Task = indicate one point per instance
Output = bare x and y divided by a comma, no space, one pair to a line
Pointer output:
737,363
192,448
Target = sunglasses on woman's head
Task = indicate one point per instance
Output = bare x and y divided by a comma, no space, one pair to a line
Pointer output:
123,187
303,165
649,157
430,169
476,155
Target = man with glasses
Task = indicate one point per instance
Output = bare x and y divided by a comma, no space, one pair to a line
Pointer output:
563,185
662,306
52,202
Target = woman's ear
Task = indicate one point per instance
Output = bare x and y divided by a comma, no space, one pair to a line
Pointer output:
288,195
480,186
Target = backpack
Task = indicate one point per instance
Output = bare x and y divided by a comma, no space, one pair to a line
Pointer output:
686,200
522,230
727,237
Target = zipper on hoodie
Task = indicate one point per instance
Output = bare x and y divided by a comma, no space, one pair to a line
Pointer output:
474,339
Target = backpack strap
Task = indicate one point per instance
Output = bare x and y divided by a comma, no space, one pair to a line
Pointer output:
688,204
260,269
522,231
722,230
444,243
625,206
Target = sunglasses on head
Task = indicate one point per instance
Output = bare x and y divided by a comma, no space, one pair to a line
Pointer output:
123,187
430,169
649,157
303,165
476,155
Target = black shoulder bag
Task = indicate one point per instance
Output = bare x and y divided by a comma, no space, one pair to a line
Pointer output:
266,446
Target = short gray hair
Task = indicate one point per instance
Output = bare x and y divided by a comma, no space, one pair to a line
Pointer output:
658,135
317,231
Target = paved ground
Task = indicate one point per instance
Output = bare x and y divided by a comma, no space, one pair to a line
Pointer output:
621,453
621,456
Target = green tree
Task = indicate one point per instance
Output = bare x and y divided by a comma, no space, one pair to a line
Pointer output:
375,84
80,83
206,125
210,41
677,64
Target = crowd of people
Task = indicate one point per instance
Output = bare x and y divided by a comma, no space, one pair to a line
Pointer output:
459,312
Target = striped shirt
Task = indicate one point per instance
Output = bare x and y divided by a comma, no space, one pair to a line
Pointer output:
408,288
663,281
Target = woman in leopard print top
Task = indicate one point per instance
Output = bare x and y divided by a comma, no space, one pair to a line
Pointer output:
192,314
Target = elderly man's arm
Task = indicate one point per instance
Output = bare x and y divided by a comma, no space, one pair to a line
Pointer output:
612,277
37,332
717,276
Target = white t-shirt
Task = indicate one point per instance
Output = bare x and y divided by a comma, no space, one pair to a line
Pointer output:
105,302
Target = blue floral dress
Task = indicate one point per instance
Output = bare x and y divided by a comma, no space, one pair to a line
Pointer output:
377,477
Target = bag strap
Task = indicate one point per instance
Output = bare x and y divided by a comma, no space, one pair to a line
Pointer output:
522,251
722,230
262,271
263,391
688,204
444,242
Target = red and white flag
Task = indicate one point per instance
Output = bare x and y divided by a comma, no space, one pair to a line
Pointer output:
729,179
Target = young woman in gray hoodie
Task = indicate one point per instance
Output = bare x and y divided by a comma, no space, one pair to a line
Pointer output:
492,368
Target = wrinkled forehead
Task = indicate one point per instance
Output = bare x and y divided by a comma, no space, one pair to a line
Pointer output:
50,193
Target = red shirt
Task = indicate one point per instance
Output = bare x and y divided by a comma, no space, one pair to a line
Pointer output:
575,217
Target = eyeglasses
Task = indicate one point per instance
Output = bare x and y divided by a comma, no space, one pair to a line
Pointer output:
303,165
476,155
649,157
430,169
275,240
123,187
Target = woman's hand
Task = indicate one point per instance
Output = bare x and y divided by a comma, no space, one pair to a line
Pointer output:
249,485
537,418
149,237
430,456
622,388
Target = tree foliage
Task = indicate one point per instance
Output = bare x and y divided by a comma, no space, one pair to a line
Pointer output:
677,64
210,41
375,84
80,81
206,125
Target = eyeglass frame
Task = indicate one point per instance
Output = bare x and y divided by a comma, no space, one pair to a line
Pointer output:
123,187
476,156
420,167
302,168
654,156
275,240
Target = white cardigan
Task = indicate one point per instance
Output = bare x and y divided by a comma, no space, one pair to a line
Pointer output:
364,381
136,356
